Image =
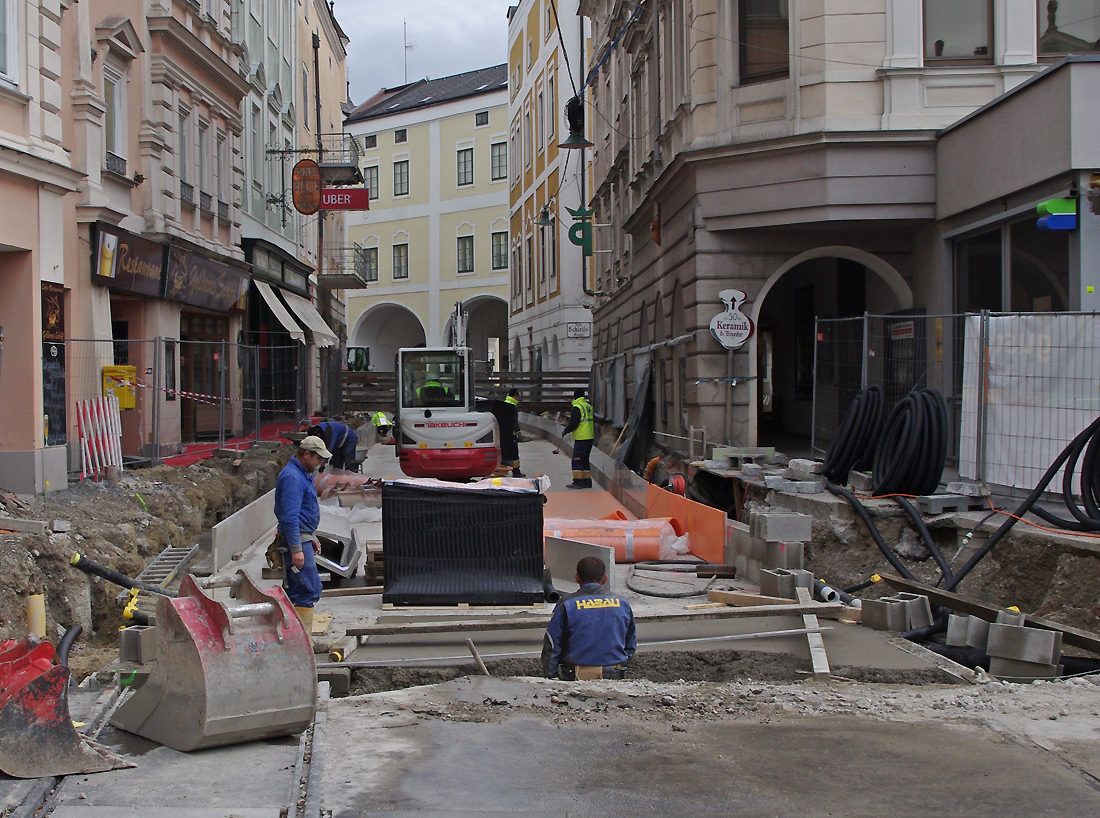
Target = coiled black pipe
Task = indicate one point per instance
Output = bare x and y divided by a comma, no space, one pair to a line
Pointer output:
66,644
857,438
912,451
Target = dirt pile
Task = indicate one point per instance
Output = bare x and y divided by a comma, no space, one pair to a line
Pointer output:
122,526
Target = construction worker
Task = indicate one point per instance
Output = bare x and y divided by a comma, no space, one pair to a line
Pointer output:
590,635
382,424
341,440
298,512
583,426
432,392
512,400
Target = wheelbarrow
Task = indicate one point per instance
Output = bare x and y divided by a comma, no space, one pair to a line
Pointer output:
37,736
224,674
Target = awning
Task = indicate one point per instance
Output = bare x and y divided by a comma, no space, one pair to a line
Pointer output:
322,335
280,312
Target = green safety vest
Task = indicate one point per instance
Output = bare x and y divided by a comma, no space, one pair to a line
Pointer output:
511,400
586,429
380,419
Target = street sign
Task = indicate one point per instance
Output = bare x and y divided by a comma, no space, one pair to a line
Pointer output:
305,187
345,198
578,329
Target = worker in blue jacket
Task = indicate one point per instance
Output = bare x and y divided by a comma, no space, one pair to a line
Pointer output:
341,440
590,635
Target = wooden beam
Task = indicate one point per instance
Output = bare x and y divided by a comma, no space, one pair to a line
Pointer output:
983,610
746,598
818,656
360,591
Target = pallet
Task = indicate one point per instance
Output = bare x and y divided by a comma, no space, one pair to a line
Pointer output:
944,503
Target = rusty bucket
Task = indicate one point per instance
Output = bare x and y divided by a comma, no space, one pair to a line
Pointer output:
224,674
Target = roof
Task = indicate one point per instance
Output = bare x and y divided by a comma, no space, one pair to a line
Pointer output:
428,92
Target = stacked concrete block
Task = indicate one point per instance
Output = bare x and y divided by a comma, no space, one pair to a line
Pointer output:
137,644
788,555
1010,618
885,614
780,526
956,630
977,632
771,539
780,582
1019,652
918,609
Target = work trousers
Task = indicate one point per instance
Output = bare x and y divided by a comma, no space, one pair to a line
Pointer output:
582,469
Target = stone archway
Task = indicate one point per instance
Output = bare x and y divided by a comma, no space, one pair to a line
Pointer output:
486,326
384,329
828,282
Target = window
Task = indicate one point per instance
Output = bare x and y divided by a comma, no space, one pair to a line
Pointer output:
500,250
958,31
183,144
9,43
498,156
527,139
466,166
553,231
272,167
551,108
542,259
370,181
530,265
205,170
1068,26
400,135
370,141
400,261
257,146
221,169
465,254
401,178
366,263
978,273
114,118
305,94
481,119
540,115
764,39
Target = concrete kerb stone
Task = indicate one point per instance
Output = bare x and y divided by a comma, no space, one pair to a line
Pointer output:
977,632
956,630
918,610
1016,670
137,644
1024,644
1010,618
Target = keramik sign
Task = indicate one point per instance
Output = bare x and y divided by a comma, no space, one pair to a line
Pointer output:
731,328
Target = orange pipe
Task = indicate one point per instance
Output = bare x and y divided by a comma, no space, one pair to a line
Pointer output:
631,545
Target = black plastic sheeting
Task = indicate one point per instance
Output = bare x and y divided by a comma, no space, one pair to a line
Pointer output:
448,546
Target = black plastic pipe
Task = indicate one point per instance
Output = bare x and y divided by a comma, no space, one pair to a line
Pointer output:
861,510
66,643
91,567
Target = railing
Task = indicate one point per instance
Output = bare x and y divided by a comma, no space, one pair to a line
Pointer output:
206,201
187,192
338,149
223,210
116,164
346,268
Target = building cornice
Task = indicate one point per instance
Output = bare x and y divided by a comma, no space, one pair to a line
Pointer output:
172,31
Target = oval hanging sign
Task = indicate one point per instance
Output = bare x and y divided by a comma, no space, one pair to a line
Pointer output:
305,186
732,328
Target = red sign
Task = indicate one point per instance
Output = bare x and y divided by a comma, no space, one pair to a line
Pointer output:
345,198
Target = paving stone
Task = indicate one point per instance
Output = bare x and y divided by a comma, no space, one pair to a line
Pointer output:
1016,670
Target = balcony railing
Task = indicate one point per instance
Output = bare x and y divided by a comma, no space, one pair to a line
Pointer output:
116,164
345,267
223,210
206,201
187,192
338,155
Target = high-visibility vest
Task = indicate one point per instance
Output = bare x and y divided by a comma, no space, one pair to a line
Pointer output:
511,400
586,429
380,419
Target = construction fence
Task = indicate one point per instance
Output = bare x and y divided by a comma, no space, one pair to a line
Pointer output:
179,395
1018,386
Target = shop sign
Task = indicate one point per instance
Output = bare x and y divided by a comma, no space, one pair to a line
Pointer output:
127,262
732,328
203,282
305,187
345,198
53,312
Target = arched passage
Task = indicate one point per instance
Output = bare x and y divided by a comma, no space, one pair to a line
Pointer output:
384,329
829,282
486,327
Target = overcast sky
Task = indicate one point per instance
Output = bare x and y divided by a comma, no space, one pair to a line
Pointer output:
445,37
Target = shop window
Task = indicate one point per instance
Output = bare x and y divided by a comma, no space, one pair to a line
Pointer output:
1039,271
958,31
764,49
978,273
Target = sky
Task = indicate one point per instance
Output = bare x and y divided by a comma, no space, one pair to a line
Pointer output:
445,37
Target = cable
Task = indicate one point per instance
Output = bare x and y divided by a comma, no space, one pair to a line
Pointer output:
912,451
858,436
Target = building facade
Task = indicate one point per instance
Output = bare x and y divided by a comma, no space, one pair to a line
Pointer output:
550,309
435,158
780,158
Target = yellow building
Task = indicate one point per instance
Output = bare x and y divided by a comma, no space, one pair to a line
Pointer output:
435,158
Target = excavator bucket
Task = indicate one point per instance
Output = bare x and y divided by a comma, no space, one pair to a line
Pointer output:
223,674
37,737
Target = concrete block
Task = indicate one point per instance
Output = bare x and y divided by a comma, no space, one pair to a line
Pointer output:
782,583
803,469
807,487
23,526
956,630
752,470
562,556
1010,618
787,555
1024,644
967,489
977,632
751,572
61,526
918,610
784,526
738,536
758,551
885,614
1016,670
859,481
137,644
338,678
777,482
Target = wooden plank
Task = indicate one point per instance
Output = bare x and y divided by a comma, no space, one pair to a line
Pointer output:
746,598
360,591
983,610
527,621
818,657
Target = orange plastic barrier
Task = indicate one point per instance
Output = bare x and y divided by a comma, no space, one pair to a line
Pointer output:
705,526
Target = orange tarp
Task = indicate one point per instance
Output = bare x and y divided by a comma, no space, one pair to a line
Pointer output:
706,526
